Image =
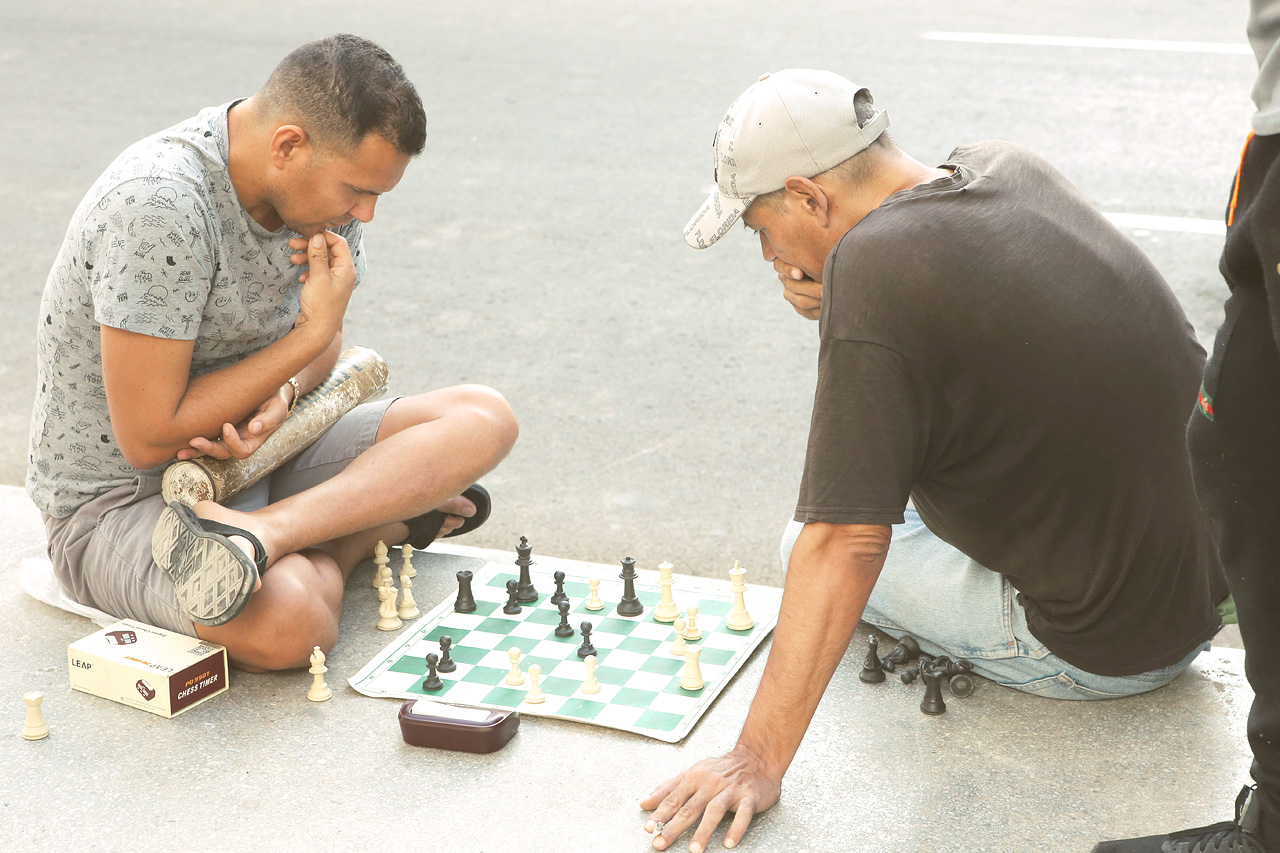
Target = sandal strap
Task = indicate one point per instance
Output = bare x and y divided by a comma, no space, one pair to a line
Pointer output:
228,530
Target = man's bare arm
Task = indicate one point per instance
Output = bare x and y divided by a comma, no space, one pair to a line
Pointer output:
156,409
833,569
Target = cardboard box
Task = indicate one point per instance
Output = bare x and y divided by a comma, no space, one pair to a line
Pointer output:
147,667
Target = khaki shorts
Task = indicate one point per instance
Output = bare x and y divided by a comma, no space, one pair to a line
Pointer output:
101,553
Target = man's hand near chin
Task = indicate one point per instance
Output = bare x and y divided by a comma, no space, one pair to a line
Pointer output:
804,293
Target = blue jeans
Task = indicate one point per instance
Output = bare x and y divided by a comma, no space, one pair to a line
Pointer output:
954,606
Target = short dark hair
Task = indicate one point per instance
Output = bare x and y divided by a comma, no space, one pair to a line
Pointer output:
344,87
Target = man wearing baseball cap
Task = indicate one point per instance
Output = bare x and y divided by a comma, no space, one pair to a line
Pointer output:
996,462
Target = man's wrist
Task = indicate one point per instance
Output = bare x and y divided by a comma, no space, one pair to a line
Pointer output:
297,392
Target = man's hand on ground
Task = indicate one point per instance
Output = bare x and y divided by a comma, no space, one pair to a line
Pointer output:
804,294
737,782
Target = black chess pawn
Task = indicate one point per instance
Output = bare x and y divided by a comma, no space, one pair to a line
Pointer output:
586,650
525,594
466,602
446,662
910,674
932,703
559,595
906,650
432,682
512,607
630,604
872,672
564,629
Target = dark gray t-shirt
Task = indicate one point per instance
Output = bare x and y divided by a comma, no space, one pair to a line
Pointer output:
160,245
996,350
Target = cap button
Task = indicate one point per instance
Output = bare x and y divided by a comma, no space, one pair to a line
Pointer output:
764,76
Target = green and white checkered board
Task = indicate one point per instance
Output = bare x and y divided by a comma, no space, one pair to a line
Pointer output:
639,678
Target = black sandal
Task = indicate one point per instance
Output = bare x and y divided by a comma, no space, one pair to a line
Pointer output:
424,529
212,577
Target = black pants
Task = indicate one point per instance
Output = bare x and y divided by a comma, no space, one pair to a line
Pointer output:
1234,441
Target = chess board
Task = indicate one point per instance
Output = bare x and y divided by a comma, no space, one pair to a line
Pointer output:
639,678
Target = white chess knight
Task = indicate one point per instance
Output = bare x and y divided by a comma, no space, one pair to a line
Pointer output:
388,620
739,619
319,691
666,611
408,607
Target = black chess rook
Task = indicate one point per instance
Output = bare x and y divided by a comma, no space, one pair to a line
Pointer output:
932,703
466,602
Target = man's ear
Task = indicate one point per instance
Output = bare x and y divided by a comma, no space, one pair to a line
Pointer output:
290,144
810,198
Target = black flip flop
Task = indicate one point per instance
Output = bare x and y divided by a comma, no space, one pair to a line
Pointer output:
424,528
213,578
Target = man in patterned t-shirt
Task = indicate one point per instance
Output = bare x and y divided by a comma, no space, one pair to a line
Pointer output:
200,289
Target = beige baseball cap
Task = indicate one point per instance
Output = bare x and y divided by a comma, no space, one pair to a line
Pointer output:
794,122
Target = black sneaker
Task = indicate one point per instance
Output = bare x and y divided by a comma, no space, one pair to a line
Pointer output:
1242,835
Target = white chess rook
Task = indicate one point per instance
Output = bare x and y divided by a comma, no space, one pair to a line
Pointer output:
35,727
739,619
692,678
666,611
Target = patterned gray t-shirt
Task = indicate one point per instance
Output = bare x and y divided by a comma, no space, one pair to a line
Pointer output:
161,246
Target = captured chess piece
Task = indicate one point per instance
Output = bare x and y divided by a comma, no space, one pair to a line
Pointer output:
388,620
677,648
932,703
590,685
594,601
564,629
961,685
872,672
630,604
535,696
559,595
515,676
446,662
432,682
739,619
406,557
666,611
586,650
907,649
382,565
408,608
692,677
35,727
466,602
512,607
525,593
319,691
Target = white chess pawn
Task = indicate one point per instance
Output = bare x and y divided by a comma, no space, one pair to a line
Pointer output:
382,567
408,607
739,619
319,691
535,696
406,568
388,620
590,685
692,678
35,727
594,602
677,648
666,611
515,676
692,632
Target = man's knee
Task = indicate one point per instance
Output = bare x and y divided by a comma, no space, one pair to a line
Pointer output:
495,419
